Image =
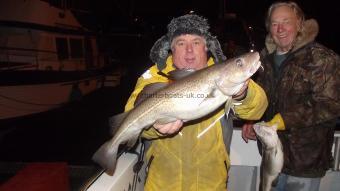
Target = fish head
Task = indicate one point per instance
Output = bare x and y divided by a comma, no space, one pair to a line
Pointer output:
236,71
266,134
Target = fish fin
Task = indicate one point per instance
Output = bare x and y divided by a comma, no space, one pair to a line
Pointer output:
179,74
106,157
212,94
276,151
275,181
228,106
115,122
165,120
149,91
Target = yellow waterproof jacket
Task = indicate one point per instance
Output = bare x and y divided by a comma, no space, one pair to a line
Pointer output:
184,162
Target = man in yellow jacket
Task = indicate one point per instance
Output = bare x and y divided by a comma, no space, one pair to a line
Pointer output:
178,159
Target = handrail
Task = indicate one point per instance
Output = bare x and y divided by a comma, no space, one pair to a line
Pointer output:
27,49
336,153
12,58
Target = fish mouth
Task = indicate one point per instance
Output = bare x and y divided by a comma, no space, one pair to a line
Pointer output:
261,66
256,63
255,67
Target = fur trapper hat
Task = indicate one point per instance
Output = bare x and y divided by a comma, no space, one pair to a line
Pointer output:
186,24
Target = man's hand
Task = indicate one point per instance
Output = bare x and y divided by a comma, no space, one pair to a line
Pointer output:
169,128
248,132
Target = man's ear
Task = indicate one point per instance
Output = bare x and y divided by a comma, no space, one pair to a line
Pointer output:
159,52
215,48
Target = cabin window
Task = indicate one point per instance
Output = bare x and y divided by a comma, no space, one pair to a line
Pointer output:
76,46
61,4
62,48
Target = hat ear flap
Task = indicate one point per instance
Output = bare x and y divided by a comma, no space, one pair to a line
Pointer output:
215,48
159,52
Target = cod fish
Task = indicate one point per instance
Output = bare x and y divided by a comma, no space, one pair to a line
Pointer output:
191,97
272,155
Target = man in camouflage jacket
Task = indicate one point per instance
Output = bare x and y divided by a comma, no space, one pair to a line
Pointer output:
303,94
305,91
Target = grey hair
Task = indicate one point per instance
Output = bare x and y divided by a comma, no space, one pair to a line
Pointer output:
294,6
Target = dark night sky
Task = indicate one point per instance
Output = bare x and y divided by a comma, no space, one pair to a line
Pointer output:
324,11
111,14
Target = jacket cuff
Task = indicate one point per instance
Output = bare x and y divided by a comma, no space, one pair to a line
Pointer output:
278,120
254,104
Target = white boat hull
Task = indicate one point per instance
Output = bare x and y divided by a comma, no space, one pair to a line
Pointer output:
22,100
44,54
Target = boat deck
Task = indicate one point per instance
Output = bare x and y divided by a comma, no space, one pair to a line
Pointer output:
77,177
244,173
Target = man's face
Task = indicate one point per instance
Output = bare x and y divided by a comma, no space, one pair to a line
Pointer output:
284,27
189,52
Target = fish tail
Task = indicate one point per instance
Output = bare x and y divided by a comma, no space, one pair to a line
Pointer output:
106,157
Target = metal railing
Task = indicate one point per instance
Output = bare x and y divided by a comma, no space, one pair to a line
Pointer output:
23,58
336,152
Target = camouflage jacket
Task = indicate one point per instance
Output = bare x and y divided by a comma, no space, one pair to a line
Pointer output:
305,91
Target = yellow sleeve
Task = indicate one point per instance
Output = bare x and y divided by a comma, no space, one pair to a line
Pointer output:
255,103
149,77
138,88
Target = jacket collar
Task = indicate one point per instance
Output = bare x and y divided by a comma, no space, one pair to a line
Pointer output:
308,34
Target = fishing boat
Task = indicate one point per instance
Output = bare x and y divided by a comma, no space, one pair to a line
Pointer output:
244,173
47,58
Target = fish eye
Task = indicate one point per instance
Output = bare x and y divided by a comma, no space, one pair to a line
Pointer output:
239,62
